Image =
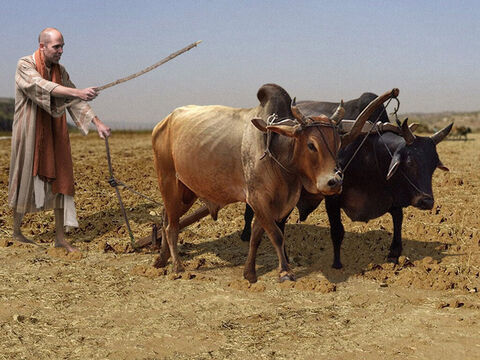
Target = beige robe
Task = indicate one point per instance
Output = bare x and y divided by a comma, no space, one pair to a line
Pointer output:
26,193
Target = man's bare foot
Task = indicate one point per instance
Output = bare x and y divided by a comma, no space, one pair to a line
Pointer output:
65,244
21,238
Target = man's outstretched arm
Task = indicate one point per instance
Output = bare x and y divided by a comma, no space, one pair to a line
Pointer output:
86,94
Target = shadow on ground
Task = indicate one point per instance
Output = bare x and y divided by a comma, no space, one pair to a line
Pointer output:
100,223
310,250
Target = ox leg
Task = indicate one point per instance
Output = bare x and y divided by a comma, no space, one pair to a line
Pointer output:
247,228
162,259
177,200
307,204
396,246
337,231
171,233
277,239
249,272
281,226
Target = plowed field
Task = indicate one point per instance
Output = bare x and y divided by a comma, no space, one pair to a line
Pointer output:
107,302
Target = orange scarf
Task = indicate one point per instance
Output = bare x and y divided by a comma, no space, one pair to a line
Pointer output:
52,160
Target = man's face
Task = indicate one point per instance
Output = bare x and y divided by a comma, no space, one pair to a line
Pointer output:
53,48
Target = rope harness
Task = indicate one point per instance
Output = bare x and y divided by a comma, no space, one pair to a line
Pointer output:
379,133
270,121
401,171
273,119
338,171
370,130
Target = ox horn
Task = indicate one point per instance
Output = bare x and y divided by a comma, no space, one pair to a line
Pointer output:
440,135
339,113
302,119
407,133
365,114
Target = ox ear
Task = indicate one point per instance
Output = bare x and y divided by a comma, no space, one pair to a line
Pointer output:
442,167
260,124
393,165
286,130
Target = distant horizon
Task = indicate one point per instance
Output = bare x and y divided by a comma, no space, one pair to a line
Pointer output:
139,126
315,50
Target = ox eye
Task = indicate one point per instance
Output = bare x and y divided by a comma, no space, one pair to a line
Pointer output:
311,147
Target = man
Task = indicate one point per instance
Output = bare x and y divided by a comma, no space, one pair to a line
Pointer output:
41,171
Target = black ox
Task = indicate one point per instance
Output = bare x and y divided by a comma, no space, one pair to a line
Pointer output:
392,170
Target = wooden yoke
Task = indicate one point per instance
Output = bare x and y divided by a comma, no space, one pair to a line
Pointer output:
346,125
365,114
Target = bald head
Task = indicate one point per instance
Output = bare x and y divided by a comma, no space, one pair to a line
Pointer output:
50,42
47,34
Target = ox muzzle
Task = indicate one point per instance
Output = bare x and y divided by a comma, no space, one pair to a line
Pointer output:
423,201
334,184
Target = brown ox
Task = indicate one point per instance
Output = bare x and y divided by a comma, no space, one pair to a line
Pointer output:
215,153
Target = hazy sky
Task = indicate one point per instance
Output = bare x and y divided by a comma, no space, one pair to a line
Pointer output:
316,50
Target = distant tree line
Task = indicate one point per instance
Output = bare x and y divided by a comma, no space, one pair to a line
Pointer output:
7,108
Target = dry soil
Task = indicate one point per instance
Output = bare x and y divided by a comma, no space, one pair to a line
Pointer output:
108,302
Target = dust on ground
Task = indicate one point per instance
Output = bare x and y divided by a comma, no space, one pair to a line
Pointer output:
108,302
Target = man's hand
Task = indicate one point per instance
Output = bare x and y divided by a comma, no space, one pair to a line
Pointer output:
103,130
87,94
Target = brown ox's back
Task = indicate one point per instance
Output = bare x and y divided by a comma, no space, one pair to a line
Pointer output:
201,147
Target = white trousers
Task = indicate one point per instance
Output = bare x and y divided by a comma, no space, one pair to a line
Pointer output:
69,212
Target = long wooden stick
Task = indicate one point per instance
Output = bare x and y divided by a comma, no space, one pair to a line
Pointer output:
137,74
150,68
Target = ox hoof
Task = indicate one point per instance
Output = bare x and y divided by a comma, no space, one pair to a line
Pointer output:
245,236
337,265
286,277
178,268
159,262
252,278
392,259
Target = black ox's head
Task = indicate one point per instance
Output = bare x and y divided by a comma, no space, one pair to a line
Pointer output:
413,163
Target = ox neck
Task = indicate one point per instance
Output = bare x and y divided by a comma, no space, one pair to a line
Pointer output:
385,146
281,152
